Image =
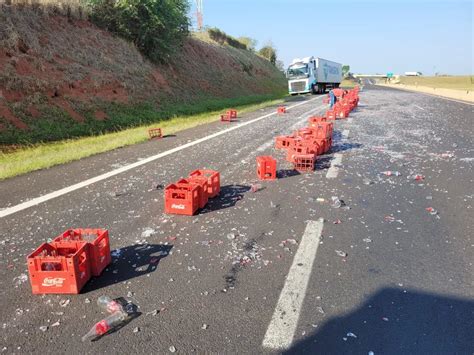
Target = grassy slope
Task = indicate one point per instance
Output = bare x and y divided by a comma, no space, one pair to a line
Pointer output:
47,155
445,82
93,72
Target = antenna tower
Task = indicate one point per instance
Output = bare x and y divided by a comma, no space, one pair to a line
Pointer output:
199,14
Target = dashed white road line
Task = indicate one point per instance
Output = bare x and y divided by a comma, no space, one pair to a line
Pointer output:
333,170
281,331
49,196
418,107
345,134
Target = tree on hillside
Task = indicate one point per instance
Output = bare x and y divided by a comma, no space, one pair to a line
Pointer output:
269,52
249,42
280,65
345,70
156,27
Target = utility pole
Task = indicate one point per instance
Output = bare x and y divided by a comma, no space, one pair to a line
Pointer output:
199,14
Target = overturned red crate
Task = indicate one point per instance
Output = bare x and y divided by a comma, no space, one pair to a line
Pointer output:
281,109
304,162
266,168
59,268
155,133
213,180
99,245
297,150
182,199
201,181
232,113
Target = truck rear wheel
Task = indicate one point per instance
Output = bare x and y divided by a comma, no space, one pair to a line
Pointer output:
313,90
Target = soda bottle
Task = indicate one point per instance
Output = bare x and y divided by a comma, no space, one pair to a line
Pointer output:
103,326
109,305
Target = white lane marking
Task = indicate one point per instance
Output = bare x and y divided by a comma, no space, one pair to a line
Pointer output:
309,112
49,196
345,134
421,108
349,120
282,327
333,170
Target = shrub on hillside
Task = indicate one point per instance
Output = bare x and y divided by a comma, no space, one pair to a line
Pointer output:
223,38
269,52
156,27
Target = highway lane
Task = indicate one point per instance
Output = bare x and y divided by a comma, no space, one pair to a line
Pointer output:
405,285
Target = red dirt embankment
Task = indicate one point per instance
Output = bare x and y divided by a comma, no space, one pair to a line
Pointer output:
52,66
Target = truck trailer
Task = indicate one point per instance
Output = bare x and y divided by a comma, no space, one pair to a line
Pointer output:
313,74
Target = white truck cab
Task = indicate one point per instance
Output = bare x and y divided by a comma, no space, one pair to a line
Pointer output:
313,74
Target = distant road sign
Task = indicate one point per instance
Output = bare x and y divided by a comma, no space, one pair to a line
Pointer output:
389,75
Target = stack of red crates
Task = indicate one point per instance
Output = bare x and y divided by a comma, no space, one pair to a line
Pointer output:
64,265
188,195
304,145
344,105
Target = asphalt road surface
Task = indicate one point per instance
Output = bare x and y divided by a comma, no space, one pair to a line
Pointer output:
275,271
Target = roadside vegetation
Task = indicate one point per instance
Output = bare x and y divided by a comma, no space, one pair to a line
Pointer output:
41,156
446,82
63,78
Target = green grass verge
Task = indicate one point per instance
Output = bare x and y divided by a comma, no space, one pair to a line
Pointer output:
46,155
440,82
348,84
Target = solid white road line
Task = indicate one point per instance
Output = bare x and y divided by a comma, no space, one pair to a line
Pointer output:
281,331
36,201
333,170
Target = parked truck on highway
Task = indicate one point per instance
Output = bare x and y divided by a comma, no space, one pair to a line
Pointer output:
313,74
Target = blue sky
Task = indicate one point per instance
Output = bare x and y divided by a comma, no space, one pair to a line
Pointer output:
371,36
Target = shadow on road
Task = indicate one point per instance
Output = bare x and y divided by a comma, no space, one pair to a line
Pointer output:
394,321
286,173
130,262
228,197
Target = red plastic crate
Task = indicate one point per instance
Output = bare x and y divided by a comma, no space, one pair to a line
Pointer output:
213,180
232,113
59,268
297,150
201,181
226,117
322,129
307,131
330,115
325,143
281,142
266,168
281,109
304,162
316,119
155,133
99,245
182,199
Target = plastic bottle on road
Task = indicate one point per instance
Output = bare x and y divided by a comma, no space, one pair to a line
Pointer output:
103,326
109,305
